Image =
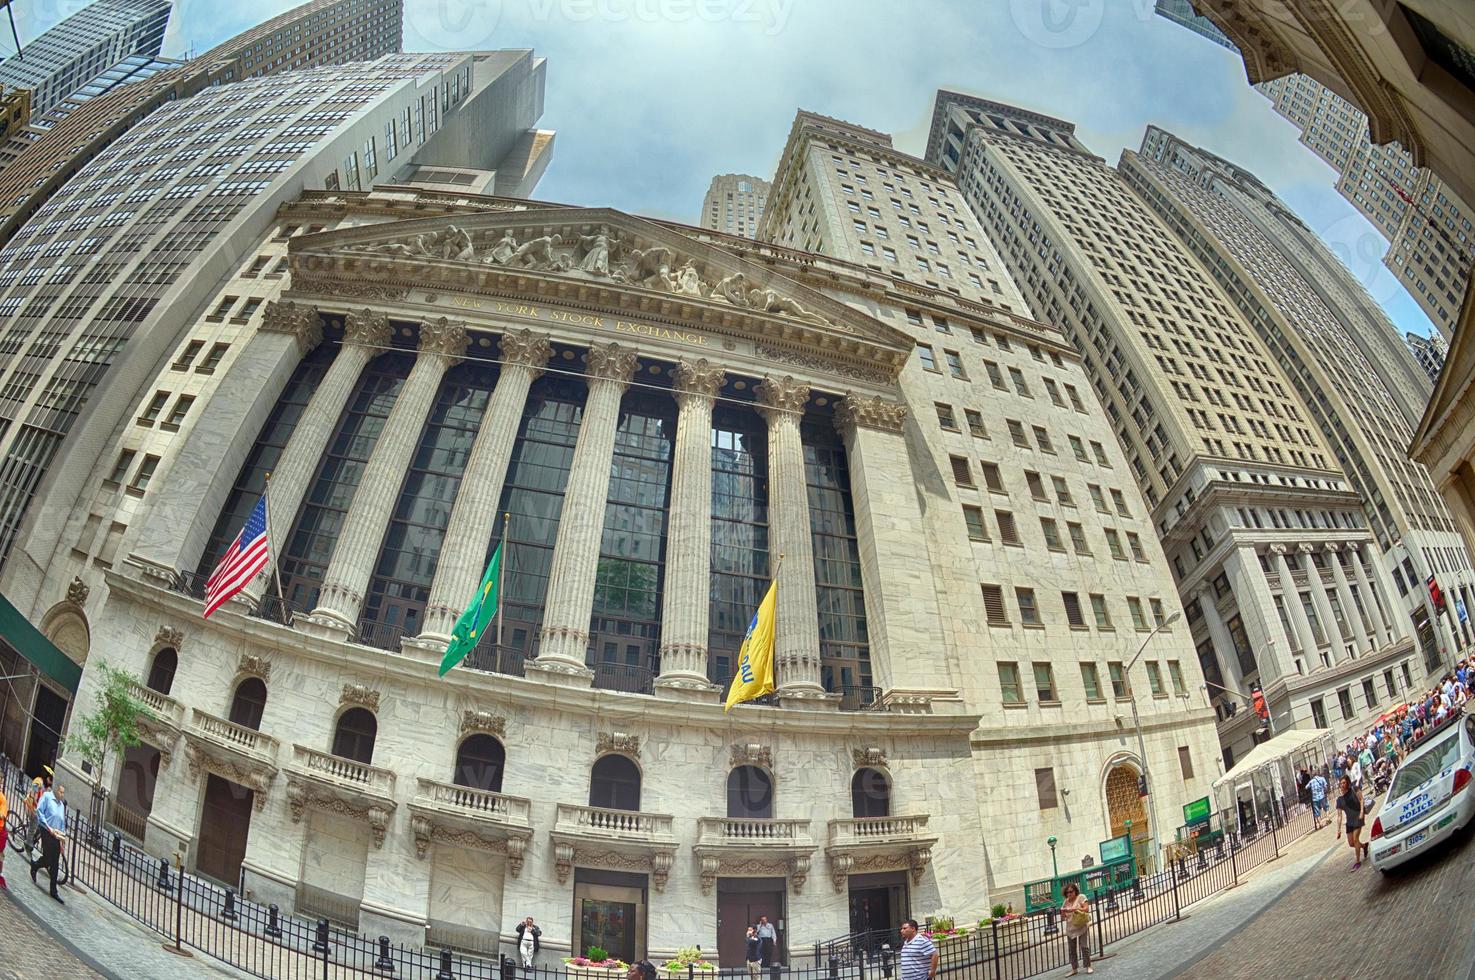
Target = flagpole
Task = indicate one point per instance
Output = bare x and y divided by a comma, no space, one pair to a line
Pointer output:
501,576
271,553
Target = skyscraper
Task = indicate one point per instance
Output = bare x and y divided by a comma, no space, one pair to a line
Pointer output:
1267,537
1429,228
320,32
72,53
735,203
1429,351
1181,12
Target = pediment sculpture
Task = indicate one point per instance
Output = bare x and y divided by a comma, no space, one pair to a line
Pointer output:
605,254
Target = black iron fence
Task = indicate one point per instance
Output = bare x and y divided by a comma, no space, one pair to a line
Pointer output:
191,912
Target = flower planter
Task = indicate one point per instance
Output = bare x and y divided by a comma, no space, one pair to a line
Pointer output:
576,972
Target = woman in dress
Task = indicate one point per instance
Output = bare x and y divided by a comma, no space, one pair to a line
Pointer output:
1350,808
1076,912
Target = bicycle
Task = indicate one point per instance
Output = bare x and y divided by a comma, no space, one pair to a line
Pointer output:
19,829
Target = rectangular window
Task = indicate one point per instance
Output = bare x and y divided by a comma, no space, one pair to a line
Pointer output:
929,358
975,423
945,417
1036,485
1135,543
1017,377
1134,606
1120,502
955,364
1369,693
1344,701
1079,448
1077,538
1391,684
1009,687
1045,788
1008,532
223,308
994,375
179,411
1097,498
1052,534
1042,439
1185,761
212,359
1118,679
152,410
993,605
1091,681
1016,433
120,468
1100,452
962,474
1155,679
1175,675
1029,612
190,352
1318,712
1072,603
973,517
144,475
1062,492
252,304
1159,615
1045,682
1114,544
991,477
1100,610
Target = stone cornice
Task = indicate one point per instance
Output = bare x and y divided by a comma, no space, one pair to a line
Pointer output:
1087,726
606,708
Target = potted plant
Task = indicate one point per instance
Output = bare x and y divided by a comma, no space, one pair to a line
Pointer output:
595,964
1004,922
688,958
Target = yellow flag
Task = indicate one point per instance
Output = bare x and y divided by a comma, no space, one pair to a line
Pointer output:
755,660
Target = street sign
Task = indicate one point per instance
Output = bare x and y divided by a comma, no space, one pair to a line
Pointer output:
1141,785
1460,608
1196,811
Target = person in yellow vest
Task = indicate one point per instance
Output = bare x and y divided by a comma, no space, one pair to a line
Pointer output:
4,816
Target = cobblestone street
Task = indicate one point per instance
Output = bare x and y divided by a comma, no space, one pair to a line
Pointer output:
27,951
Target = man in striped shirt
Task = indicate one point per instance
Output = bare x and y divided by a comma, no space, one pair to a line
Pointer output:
918,955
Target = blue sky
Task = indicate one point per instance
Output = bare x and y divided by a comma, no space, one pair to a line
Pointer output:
651,98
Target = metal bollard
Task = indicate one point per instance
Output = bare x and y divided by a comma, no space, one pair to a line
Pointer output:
228,911
384,964
273,922
164,883
886,954
117,853
320,944
509,967
1203,862
1111,903
1052,923
1182,870
445,966
1137,888
834,967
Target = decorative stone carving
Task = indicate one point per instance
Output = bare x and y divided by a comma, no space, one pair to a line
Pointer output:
752,754
563,860
617,742
768,301
297,320
870,413
920,858
660,868
258,781
538,254
255,665
77,592
782,395
596,250
296,800
367,329
485,722
700,378
1331,546
649,267
840,865
1278,549
516,852
1305,549
378,818
443,336
526,348
868,757
827,365
610,362
336,286
733,290
420,827
361,695
799,873
168,636
502,251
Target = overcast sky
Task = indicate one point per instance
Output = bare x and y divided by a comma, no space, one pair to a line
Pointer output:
651,98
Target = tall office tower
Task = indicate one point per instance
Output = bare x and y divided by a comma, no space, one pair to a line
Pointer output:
80,48
735,204
321,32
1055,549
1428,227
1181,12
15,111
1429,351
1266,536
1218,211
106,276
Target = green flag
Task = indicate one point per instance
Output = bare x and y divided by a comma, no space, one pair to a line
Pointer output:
477,616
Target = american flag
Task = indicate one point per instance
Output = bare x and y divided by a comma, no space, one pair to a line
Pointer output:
246,556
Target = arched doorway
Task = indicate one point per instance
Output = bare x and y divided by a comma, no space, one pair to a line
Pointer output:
1124,803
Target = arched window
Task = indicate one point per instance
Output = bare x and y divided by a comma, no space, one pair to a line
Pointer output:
354,736
870,794
614,782
248,703
749,792
479,763
161,674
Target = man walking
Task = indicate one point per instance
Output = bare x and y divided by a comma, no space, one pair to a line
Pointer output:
51,814
767,940
1316,787
918,955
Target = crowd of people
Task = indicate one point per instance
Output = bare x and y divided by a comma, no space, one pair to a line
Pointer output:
1364,767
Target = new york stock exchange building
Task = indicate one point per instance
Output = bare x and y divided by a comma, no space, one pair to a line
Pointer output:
660,412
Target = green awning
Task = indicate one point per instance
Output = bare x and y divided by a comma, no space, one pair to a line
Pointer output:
26,640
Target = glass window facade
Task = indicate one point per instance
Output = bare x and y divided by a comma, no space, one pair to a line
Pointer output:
739,532
845,657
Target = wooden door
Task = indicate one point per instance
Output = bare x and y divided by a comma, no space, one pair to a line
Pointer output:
225,823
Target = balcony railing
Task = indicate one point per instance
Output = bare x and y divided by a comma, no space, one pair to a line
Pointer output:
247,740
191,584
163,706
854,697
274,608
627,678
753,832
877,830
344,773
381,636
626,825
476,803
487,657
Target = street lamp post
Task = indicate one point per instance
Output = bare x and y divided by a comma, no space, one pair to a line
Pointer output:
1137,724
1054,867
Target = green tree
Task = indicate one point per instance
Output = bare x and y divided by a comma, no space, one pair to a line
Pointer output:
112,727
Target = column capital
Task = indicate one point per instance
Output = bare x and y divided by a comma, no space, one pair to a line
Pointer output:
1306,549
1278,550
443,336
856,411
778,397
610,362
365,328
527,349
697,379
296,320
1332,547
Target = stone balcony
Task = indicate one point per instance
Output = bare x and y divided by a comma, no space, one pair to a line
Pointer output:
163,728
753,846
620,840
471,817
338,785
231,751
868,844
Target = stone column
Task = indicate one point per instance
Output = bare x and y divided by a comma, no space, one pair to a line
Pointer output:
1263,628
1377,593
1317,587
1349,606
474,518
1290,594
563,641
1223,643
796,640
687,600
904,621
442,344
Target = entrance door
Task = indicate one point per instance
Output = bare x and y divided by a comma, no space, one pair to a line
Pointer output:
740,903
1123,803
878,904
46,722
225,823
609,912
134,800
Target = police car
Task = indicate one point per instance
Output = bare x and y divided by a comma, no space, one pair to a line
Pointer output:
1429,799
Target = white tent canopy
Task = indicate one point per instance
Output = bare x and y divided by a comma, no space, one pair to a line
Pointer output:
1273,750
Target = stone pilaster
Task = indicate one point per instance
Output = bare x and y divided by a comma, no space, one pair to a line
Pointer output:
1317,587
474,518
1290,595
442,344
1222,643
904,622
796,643
686,603
1349,605
1375,591
563,641
1263,629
